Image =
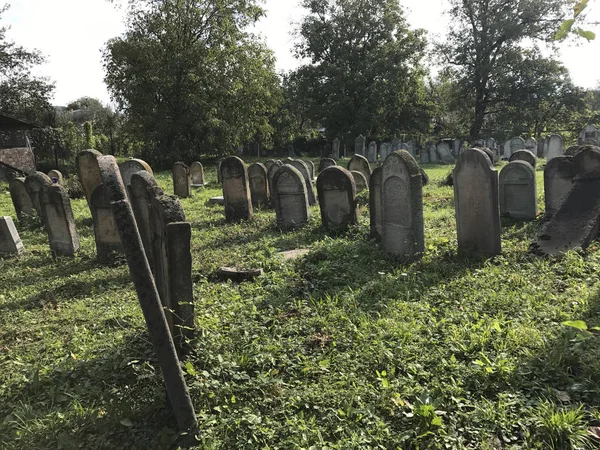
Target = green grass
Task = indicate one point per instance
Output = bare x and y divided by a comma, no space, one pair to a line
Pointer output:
342,349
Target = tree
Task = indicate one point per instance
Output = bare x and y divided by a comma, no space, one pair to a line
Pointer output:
486,38
22,94
190,78
365,73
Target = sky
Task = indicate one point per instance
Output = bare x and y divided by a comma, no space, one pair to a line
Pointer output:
71,34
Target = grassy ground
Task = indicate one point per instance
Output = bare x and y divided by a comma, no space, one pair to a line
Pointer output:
343,348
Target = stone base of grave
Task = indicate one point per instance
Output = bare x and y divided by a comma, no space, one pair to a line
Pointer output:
238,275
216,201
199,185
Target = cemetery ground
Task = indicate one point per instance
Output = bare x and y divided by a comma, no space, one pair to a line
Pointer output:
341,348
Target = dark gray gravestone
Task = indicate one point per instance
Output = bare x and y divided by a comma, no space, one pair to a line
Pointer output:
558,181
372,152
573,150
20,198
517,143
182,180
433,154
325,163
290,197
219,180
271,173
177,391
444,151
337,198
197,174
269,163
360,164
524,155
424,155
236,189
587,161
402,206
518,193
34,184
476,204
88,171
259,184
305,172
360,181
375,209
359,145
311,169
106,233
10,242
335,149
59,221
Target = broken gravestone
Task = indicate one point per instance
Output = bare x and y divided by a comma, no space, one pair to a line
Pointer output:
10,242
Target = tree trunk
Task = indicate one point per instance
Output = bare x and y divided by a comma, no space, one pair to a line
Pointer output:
480,110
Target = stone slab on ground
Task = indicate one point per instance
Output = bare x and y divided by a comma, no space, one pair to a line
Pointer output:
216,200
293,254
238,275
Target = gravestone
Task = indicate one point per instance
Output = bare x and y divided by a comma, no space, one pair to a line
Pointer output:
424,156
491,144
269,163
59,221
360,164
304,171
259,184
403,146
271,173
587,161
572,151
337,198
359,145
56,176
531,145
396,143
488,152
432,149
384,150
372,152
476,204
311,169
34,184
507,153
360,181
402,206
518,193
558,181
445,153
290,151
182,180
540,149
131,166
219,171
456,147
590,142
325,163
555,147
106,232
375,209
10,242
88,171
524,155
197,174
290,197
141,192
517,143
335,152
590,132
20,198
236,189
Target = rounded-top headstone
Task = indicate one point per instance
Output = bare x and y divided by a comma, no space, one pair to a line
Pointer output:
269,163
88,171
488,152
259,184
303,168
325,163
290,197
56,176
182,181
360,164
20,198
337,197
518,193
34,184
573,150
236,189
524,155
587,162
360,181
131,166
197,174
558,181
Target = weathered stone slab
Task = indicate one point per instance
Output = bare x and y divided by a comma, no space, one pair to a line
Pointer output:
558,181
587,161
197,174
20,198
290,197
34,184
572,150
236,190
59,220
372,152
507,153
456,147
337,198
182,180
476,204
10,242
219,180
555,147
360,181
424,155
325,163
524,155
518,193
433,155
304,170
395,145
445,153
335,149
216,200
311,169
271,173
259,184
384,150
402,206
106,232
375,207
238,275
269,163
88,171
56,176
517,143
531,145
359,145
131,166
360,164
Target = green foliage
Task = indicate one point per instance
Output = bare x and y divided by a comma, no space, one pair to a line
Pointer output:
567,27
89,141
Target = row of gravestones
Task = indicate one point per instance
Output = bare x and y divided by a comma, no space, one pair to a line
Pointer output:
550,147
187,177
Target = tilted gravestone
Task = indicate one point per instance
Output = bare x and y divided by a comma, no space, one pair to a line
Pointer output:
269,163
259,184
10,242
106,232
476,204
518,192
304,171
236,189
517,143
20,198
372,152
56,176
271,173
88,171
375,210
325,163
59,220
359,145
555,147
335,149
558,181
402,206
360,181
197,174
524,155
445,153
131,166
337,198
311,169
360,164
34,184
290,197
177,391
182,180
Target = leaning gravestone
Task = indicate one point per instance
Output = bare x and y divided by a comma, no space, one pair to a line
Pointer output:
444,152
476,204
524,155
517,143
182,180
335,152
106,233
402,206
131,166
177,391
197,174
518,193
375,210
311,169
325,163
555,147
304,170
385,150
359,145
34,184
372,152
558,181
20,198
360,164
56,176
360,181
259,184
10,242
236,189
59,221
88,171
290,197
269,163
337,198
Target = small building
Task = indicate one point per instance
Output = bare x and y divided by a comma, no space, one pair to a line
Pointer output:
16,153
